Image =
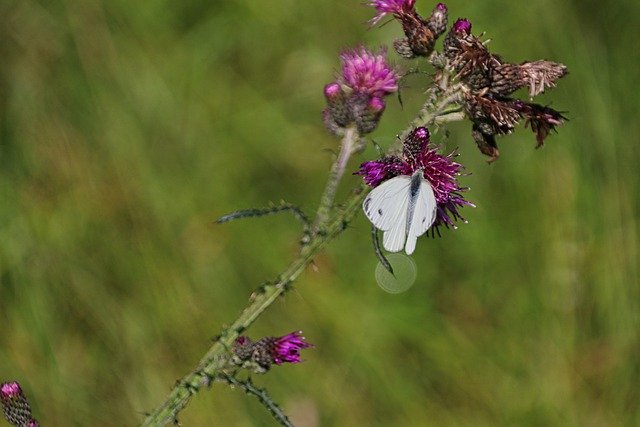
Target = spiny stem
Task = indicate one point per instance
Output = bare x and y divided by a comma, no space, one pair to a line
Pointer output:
248,213
283,207
261,394
430,112
347,148
213,361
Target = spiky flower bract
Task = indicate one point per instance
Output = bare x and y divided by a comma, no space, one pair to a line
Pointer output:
489,81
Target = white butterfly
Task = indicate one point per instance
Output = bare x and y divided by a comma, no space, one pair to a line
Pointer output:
404,208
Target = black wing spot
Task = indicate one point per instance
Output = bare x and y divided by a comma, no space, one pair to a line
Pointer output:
379,211
367,202
424,219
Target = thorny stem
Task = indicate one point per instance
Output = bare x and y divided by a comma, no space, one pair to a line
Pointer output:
261,394
347,147
213,362
431,111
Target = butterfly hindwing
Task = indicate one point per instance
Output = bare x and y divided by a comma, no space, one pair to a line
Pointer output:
403,208
424,215
394,238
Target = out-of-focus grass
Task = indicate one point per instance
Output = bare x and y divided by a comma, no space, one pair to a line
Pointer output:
127,127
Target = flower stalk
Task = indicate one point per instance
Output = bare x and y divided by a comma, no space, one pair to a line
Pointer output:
347,148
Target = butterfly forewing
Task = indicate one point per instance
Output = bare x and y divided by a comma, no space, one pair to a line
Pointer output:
387,204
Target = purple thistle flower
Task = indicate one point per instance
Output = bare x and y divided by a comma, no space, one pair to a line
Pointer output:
357,96
377,171
15,406
286,348
269,350
462,25
396,7
439,170
367,72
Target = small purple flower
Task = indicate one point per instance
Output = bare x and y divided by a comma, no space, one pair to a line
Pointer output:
367,72
15,406
269,350
377,171
440,170
10,390
396,7
286,348
462,25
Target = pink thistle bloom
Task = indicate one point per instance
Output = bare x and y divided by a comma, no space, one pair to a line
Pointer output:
439,170
375,172
357,96
368,73
10,390
462,25
286,348
396,7
269,350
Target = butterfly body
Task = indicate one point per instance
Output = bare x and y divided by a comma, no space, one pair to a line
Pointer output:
404,208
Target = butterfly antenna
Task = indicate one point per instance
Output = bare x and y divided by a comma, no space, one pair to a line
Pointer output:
376,247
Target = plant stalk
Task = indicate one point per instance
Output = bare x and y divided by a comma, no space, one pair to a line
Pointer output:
347,147
213,361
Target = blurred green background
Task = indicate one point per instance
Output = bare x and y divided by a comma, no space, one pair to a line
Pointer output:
127,127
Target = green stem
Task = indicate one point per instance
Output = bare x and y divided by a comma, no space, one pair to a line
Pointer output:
430,111
214,361
347,148
261,394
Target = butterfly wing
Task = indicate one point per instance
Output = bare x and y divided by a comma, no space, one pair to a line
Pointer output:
386,207
424,215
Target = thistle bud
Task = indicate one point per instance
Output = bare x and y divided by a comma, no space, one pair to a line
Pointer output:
15,406
438,19
368,114
415,143
458,32
497,116
420,37
402,48
538,75
336,104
